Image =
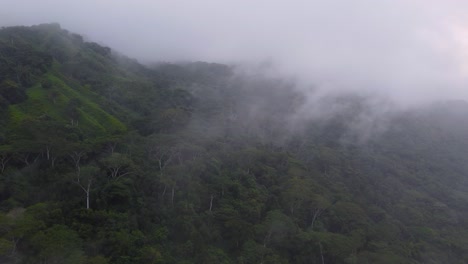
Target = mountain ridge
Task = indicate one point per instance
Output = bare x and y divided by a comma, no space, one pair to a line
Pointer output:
105,160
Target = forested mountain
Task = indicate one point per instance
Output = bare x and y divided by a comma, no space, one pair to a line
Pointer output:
105,160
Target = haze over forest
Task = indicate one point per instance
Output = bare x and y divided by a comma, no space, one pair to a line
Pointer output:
233,132
413,50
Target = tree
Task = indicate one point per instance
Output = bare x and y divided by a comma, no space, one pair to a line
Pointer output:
118,165
4,159
72,111
77,156
53,95
12,92
84,178
58,244
7,243
318,205
277,228
161,149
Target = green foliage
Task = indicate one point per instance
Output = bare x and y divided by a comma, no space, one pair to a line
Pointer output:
97,260
190,163
57,244
11,92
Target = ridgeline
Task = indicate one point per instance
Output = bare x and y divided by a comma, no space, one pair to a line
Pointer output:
105,160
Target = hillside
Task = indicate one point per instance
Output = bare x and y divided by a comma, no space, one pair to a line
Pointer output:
105,160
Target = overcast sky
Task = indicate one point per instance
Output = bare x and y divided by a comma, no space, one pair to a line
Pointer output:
411,49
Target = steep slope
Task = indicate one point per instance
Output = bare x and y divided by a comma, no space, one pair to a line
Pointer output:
105,160
35,85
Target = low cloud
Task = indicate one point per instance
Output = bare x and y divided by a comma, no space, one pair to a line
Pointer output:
413,51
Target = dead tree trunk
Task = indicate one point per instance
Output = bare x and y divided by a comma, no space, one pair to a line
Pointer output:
317,213
48,152
52,161
211,201
86,189
76,157
321,253
87,194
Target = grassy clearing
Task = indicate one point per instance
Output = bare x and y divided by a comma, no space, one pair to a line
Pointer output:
52,102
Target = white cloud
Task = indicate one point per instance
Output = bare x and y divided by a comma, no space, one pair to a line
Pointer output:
413,50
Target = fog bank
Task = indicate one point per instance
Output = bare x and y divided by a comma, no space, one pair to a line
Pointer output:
410,50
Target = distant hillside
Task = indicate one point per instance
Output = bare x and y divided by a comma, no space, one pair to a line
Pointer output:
38,86
105,160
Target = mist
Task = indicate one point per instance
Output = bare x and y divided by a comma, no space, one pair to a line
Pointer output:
411,51
257,131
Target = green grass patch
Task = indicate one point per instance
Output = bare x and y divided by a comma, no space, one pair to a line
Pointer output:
53,102
91,113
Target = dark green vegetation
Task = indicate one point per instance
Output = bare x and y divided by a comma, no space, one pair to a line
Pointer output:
193,163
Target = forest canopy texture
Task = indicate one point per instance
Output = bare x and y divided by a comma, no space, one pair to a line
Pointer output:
106,160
